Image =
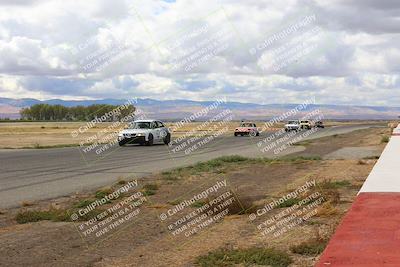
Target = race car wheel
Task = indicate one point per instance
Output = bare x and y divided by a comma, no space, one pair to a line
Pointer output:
150,141
122,142
167,139
236,134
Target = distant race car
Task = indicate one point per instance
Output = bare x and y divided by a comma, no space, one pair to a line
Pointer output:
319,124
247,128
293,125
145,132
305,124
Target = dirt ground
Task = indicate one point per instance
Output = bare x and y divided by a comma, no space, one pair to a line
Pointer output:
53,134
147,240
332,146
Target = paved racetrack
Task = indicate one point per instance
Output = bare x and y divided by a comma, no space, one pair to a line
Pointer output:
36,174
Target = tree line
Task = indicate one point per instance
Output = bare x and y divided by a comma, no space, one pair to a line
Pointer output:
46,112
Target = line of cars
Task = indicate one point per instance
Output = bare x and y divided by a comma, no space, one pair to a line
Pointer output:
149,132
250,128
298,125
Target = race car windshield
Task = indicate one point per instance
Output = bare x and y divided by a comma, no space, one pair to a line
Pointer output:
140,125
293,122
246,125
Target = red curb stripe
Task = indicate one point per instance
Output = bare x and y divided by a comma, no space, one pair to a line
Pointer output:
369,234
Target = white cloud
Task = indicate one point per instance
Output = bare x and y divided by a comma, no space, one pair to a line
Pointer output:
50,46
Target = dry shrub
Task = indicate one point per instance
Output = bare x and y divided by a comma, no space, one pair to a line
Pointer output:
332,195
26,204
242,205
326,210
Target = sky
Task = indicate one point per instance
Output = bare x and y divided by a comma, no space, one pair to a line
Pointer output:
256,51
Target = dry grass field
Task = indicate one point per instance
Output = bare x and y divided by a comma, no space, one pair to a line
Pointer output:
59,134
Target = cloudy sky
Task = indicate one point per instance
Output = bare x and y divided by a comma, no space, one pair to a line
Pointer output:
340,52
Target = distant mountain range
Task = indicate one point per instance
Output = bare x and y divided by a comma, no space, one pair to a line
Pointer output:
178,109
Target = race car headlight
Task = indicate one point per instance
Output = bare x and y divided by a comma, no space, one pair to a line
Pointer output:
140,134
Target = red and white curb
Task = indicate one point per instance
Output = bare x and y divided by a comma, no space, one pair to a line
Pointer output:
369,234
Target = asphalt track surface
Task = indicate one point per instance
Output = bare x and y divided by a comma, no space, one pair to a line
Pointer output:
39,174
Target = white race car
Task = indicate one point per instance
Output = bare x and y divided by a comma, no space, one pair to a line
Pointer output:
293,125
145,132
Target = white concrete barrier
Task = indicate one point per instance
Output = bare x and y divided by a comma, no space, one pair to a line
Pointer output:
385,176
396,131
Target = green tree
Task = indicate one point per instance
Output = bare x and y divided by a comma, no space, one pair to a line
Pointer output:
77,113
